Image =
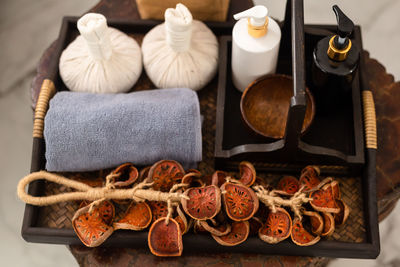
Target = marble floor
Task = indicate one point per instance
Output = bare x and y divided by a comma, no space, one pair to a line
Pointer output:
28,27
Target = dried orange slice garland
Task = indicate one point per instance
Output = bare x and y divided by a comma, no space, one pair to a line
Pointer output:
172,201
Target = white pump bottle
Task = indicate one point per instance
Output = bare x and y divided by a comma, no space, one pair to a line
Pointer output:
255,46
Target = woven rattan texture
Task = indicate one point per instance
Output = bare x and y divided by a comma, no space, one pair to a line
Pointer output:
59,215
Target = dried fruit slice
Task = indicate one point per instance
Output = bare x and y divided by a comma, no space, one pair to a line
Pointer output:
181,220
165,240
195,171
106,209
218,178
240,202
217,231
165,174
128,175
182,224
159,209
247,173
335,189
300,236
341,217
238,234
144,173
323,200
329,224
189,177
316,221
311,168
309,178
277,227
137,217
91,228
289,184
204,202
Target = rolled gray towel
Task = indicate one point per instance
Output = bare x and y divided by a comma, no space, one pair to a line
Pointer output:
85,131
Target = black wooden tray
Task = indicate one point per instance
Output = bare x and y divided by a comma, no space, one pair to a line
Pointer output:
334,137
364,183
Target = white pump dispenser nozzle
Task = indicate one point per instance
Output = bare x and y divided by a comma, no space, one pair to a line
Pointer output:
255,46
257,15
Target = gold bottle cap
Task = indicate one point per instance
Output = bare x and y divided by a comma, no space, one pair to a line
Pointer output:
257,20
257,31
337,54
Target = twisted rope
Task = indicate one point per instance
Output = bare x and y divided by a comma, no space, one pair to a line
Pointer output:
109,185
272,200
170,204
139,193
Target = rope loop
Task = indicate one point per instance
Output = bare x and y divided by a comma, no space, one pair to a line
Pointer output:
138,193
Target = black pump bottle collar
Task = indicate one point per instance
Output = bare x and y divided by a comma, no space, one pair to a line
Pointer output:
340,44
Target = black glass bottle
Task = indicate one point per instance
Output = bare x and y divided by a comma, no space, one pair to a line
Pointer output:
335,62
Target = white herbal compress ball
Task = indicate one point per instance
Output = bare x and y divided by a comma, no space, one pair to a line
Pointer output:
181,52
101,60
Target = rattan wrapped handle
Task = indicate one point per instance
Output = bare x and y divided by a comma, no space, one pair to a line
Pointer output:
47,91
369,120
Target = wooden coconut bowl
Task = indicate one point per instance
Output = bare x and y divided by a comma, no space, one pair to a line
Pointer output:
265,105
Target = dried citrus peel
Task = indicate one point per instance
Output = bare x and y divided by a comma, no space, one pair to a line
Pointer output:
289,184
91,227
277,227
165,239
316,221
341,217
324,200
300,236
329,224
164,174
247,173
217,231
238,234
202,203
240,201
137,217
126,175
